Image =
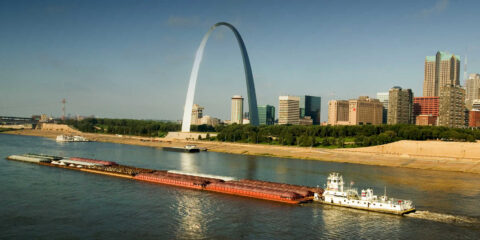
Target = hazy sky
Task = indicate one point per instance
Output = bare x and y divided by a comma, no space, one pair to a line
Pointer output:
132,59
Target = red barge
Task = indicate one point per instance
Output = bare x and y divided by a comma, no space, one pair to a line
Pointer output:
272,191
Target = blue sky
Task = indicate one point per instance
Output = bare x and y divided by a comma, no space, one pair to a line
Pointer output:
132,59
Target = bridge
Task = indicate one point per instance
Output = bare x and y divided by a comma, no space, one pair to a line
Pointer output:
8,120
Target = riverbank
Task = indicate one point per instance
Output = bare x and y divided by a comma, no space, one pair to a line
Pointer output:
431,155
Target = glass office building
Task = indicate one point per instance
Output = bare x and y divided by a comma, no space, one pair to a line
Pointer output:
310,106
266,115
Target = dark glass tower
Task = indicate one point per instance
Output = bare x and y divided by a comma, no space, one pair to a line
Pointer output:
310,106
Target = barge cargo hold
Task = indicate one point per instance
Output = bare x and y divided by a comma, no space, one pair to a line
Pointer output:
29,159
278,192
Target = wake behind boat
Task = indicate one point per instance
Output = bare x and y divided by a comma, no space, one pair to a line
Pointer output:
336,194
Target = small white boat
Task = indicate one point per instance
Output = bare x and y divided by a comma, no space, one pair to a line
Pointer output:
79,139
66,138
336,194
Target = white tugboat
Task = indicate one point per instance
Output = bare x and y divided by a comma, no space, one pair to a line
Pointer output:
335,194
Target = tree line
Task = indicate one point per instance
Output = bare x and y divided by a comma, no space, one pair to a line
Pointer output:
307,136
342,136
146,128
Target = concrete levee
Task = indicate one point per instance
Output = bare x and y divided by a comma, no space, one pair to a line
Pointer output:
188,135
57,127
470,150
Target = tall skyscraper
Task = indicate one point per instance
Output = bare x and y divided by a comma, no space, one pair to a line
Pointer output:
310,106
266,115
400,106
365,111
472,86
452,107
289,110
338,112
197,114
237,110
440,70
383,98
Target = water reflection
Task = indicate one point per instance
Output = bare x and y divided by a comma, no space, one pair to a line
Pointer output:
251,167
188,163
334,222
192,215
341,222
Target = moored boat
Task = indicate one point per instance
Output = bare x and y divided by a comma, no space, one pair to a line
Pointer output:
186,148
66,138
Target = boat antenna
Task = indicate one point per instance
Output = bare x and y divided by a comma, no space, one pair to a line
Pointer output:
385,192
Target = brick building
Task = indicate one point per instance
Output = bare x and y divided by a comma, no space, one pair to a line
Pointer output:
427,106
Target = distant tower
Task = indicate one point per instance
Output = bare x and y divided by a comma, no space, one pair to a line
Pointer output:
63,108
472,86
400,106
440,70
197,114
465,71
310,106
451,111
383,97
237,109
289,110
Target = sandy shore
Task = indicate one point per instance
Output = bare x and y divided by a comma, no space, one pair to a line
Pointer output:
432,155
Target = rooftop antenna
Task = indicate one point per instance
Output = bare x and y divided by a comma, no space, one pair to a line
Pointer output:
465,70
63,108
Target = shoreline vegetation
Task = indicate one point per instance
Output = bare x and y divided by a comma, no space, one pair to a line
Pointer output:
428,154
285,135
6,129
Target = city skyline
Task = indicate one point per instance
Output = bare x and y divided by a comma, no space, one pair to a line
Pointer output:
137,67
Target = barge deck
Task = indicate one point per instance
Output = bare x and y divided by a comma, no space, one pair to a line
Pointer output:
271,191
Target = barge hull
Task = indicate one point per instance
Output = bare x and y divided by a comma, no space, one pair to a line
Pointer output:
400,213
252,194
179,149
279,193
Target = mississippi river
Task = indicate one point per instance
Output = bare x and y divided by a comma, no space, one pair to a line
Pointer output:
39,202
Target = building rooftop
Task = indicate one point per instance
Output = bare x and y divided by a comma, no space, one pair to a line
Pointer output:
443,56
474,76
289,98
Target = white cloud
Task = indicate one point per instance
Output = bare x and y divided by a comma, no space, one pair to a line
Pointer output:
439,7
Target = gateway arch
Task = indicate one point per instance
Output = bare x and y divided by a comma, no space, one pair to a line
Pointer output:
252,98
